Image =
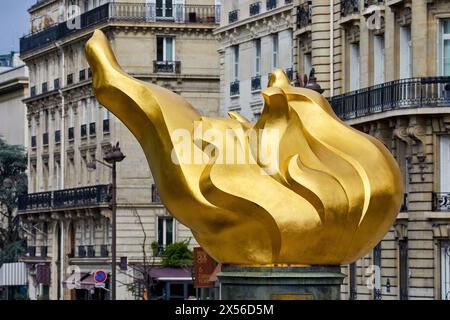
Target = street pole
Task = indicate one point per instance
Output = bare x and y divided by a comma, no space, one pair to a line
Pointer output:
113,244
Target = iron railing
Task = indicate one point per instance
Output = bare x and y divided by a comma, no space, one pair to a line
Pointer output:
123,12
304,14
399,94
167,67
441,201
349,7
68,198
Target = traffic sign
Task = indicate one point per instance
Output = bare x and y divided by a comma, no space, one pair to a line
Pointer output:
100,276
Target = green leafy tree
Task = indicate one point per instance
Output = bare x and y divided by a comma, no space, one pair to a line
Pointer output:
177,255
13,184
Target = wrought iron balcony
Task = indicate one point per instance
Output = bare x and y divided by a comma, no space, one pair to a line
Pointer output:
65,199
123,12
349,7
254,8
441,201
304,14
256,83
400,94
234,88
233,16
271,4
167,67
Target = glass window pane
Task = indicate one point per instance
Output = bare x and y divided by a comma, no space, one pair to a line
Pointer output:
446,58
169,231
169,49
160,231
160,49
447,26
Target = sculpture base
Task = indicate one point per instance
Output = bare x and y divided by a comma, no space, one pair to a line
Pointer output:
280,283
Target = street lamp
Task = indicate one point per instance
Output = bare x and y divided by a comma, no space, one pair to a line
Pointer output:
112,157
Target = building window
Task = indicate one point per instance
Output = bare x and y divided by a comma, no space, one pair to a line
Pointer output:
236,62
93,116
275,49
106,122
165,55
307,63
258,57
84,116
164,8
71,123
445,270
352,281
378,59
46,127
444,153
165,232
354,66
405,52
377,263
445,48
403,268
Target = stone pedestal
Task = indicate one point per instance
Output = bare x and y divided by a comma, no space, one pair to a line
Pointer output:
280,283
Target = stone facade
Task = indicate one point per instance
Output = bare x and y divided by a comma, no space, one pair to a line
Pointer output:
396,55
14,83
67,214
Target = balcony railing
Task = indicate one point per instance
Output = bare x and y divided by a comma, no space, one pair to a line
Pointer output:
256,83
167,67
271,4
68,198
441,201
254,8
233,16
123,12
304,14
349,7
400,94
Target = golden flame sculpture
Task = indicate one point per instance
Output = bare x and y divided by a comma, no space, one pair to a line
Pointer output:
333,193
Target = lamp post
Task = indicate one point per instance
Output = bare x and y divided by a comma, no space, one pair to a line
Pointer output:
112,157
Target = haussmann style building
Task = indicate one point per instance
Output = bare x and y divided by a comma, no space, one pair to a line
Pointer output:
385,68
67,215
